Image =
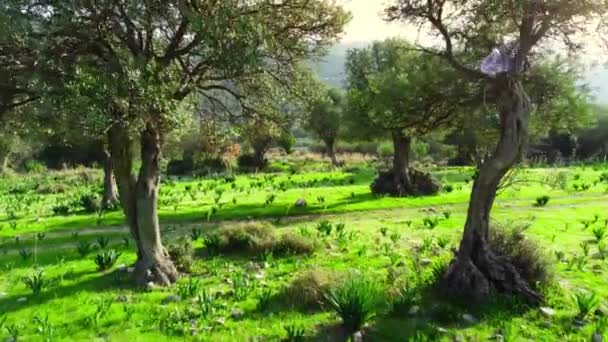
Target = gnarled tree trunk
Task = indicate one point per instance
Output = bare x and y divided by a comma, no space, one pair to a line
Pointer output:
477,270
330,146
401,161
138,197
109,184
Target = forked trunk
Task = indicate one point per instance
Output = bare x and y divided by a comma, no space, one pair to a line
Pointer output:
138,197
330,145
477,270
401,161
109,184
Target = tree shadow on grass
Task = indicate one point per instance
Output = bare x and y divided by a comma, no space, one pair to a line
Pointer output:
105,282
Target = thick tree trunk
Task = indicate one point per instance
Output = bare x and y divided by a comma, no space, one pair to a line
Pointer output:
401,161
330,145
477,270
109,184
3,161
138,197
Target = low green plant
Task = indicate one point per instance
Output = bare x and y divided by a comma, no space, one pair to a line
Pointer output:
443,242
405,298
196,234
324,228
430,222
383,231
427,243
206,303
102,307
395,237
36,282
355,301
44,328
264,299
586,302
542,201
585,248
25,253
13,331
599,232
189,289
106,259
83,248
559,256
240,286
103,241
294,333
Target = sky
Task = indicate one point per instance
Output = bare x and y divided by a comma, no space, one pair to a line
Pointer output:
367,23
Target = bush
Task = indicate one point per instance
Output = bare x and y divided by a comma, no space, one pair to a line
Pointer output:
90,203
355,301
36,283
256,238
34,166
61,210
586,303
306,291
421,184
542,201
248,162
291,243
181,253
106,259
527,257
287,142
180,167
52,188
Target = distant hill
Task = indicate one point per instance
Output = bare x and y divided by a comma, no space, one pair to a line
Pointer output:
331,70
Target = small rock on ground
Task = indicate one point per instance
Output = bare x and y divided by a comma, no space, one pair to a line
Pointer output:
236,314
547,311
172,299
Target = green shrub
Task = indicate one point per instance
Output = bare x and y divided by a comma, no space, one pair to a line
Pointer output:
103,241
586,302
405,298
599,232
90,203
306,291
52,188
106,259
61,210
324,228
182,254
256,238
25,253
189,289
83,248
294,333
355,301
527,257
542,201
36,282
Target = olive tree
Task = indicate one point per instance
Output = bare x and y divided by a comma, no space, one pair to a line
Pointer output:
138,66
395,90
324,113
474,27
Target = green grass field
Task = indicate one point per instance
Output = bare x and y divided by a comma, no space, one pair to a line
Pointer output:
390,241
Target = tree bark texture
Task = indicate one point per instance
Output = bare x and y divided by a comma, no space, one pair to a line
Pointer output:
3,161
139,197
401,162
109,184
330,145
477,270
